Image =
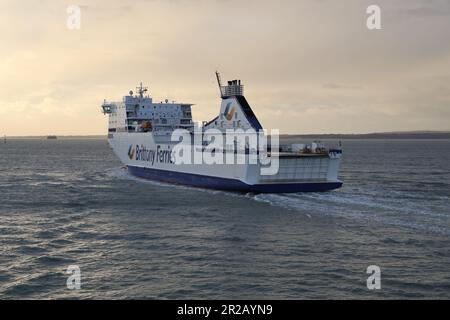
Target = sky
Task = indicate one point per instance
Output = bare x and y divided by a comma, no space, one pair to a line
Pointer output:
308,66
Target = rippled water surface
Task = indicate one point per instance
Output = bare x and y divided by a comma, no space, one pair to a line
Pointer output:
70,202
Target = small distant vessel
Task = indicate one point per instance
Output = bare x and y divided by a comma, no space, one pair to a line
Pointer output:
140,135
52,137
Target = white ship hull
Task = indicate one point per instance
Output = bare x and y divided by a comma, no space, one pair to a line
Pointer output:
297,173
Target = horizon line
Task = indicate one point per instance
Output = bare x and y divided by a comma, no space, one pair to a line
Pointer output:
281,134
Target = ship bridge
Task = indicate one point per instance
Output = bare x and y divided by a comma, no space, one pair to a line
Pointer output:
139,113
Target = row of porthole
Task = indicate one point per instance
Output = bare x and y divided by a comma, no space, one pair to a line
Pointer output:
154,107
162,115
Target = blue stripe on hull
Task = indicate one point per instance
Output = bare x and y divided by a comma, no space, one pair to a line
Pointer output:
228,184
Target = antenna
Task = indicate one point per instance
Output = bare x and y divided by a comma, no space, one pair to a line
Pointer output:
141,90
219,82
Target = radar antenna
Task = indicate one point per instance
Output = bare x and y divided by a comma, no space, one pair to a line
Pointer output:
141,90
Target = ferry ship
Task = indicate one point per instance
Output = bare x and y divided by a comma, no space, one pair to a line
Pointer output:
140,133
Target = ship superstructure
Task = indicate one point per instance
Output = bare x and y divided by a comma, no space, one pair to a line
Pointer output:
141,134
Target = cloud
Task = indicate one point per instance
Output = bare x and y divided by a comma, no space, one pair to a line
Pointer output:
427,8
338,86
307,66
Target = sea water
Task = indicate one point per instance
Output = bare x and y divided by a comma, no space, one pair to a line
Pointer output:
71,203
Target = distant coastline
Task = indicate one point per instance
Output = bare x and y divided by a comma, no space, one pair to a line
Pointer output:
62,137
406,135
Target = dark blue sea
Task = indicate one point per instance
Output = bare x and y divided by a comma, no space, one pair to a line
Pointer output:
70,202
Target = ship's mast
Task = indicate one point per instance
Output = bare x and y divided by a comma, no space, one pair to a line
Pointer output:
219,82
141,90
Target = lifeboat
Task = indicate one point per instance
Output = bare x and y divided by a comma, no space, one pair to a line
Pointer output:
146,126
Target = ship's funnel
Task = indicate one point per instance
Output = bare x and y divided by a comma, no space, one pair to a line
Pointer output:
234,88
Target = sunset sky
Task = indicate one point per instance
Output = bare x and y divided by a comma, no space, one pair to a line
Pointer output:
307,66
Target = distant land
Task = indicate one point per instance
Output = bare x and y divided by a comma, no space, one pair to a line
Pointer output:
345,136
376,135
62,137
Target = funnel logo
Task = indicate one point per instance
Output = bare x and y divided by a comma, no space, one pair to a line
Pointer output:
229,112
131,152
